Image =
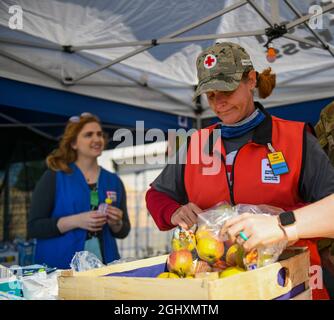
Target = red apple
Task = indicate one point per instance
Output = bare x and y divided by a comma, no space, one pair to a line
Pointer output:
180,262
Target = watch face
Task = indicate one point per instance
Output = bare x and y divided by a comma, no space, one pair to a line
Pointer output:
287,218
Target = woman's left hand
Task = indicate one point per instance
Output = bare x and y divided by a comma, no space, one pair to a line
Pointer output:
261,230
114,216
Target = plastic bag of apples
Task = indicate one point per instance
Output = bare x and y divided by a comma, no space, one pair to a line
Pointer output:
203,251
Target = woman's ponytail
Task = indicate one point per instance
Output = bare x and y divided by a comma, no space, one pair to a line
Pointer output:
265,82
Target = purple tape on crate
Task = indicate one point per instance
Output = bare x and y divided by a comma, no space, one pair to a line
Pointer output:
147,272
294,292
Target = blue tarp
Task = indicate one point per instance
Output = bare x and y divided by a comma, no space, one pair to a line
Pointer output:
32,103
28,103
308,111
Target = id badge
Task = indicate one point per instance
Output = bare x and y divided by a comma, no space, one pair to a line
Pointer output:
278,163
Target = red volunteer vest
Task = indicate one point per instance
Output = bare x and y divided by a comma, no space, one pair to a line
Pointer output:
206,180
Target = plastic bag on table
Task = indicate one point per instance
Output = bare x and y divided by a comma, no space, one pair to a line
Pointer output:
262,256
85,260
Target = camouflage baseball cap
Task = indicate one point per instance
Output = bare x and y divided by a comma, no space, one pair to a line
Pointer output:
220,67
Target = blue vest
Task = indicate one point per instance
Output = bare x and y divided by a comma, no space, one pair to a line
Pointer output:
73,197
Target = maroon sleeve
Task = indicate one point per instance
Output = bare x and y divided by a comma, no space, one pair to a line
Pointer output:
161,207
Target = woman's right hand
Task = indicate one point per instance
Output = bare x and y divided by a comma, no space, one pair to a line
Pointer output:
92,221
186,216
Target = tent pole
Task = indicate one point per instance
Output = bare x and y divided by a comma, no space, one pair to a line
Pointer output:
299,15
295,23
28,64
260,12
198,122
6,209
137,224
308,16
31,44
198,112
171,40
45,135
275,12
26,184
148,229
183,30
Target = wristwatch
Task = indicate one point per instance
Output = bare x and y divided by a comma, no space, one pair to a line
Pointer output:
287,222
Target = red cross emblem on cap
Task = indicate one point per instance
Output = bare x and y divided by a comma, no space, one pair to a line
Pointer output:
210,61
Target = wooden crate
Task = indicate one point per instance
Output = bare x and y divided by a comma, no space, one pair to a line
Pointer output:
259,284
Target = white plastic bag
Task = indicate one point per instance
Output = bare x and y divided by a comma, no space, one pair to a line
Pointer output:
85,260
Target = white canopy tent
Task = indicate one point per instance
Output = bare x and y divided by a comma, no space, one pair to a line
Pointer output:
143,52
118,54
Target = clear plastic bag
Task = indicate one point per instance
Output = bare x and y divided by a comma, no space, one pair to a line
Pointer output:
211,244
204,248
85,260
216,248
262,256
258,209
184,239
213,219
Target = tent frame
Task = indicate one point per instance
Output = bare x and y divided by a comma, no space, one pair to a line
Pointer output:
171,38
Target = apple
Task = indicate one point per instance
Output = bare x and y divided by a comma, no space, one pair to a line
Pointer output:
180,262
210,249
166,275
231,271
234,256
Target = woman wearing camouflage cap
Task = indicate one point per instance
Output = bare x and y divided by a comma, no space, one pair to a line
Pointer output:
259,159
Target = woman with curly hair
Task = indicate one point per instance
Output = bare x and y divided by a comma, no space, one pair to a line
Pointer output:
64,216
